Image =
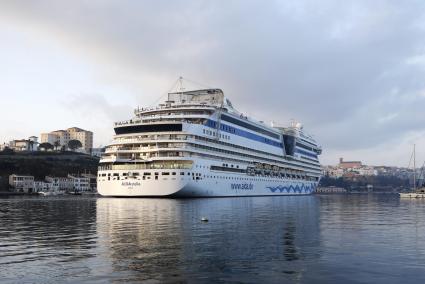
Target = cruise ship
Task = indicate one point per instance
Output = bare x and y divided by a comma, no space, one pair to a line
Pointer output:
196,144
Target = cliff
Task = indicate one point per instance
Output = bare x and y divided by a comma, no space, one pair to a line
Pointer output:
41,164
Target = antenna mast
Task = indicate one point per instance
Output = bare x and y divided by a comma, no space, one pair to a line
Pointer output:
414,168
181,88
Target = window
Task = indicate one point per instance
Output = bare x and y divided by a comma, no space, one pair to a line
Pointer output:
148,128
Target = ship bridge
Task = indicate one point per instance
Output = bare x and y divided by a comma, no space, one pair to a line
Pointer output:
213,97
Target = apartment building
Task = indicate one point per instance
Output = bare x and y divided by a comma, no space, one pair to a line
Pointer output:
62,137
22,183
84,136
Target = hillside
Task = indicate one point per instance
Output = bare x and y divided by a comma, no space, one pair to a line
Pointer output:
41,164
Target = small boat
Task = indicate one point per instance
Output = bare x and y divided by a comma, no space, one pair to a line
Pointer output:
46,193
50,193
415,193
419,193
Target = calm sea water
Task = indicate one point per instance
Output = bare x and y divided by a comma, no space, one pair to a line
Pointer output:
298,239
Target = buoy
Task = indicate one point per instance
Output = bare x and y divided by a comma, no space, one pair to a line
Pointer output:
204,219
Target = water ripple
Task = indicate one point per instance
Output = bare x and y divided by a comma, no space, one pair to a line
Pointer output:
302,239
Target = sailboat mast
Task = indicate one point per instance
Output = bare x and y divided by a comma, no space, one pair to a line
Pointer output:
414,167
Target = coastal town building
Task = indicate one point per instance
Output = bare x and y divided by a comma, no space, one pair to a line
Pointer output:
71,183
22,183
30,144
349,169
330,189
60,183
367,171
92,181
44,186
349,164
85,137
80,183
19,145
50,138
334,172
60,138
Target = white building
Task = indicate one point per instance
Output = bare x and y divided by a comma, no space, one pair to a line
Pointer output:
43,186
22,183
93,181
19,145
80,183
60,183
30,144
333,172
367,171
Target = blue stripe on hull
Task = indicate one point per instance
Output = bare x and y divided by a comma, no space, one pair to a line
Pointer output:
243,133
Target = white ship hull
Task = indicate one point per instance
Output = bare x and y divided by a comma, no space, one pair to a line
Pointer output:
196,144
186,186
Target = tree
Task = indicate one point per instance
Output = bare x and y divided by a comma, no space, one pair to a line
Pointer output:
74,144
8,151
56,144
46,146
31,145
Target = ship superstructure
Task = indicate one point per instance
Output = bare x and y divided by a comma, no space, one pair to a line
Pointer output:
197,144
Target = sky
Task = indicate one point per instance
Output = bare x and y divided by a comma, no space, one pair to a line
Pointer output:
353,72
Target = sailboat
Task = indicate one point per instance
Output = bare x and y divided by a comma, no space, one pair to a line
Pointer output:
417,192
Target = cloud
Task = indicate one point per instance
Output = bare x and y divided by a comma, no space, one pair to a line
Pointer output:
95,111
352,71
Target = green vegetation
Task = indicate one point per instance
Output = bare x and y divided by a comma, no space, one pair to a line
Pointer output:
56,144
46,146
74,144
40,164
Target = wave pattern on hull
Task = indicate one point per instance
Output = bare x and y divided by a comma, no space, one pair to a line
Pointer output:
293,189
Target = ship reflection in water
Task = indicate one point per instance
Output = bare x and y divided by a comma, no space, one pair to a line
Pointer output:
289,239
246,239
